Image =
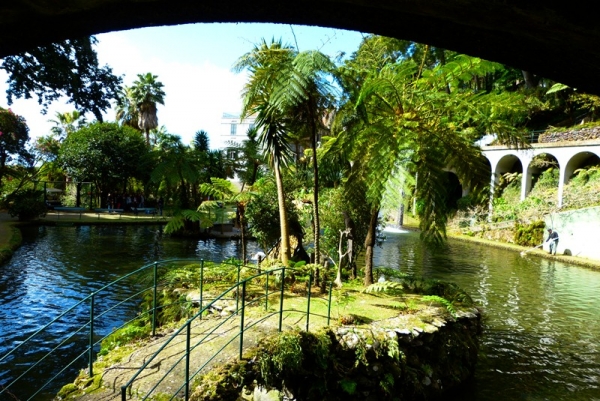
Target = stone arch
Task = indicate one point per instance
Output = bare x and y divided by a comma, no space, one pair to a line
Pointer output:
454,189
535,169
579,160
509,163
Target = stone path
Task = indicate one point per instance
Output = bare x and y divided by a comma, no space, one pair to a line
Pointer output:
205,341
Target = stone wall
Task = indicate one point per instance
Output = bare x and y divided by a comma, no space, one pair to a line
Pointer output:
577,232
583,134
366,363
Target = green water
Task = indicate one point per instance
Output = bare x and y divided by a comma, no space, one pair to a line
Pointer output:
541,318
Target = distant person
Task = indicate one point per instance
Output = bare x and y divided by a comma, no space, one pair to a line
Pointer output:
553,239
161,203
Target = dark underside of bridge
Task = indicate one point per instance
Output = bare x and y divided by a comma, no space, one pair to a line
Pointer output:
555,39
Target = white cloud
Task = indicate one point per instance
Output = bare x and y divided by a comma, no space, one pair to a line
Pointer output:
193,62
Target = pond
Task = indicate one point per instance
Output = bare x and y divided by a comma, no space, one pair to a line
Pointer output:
541,338
58,266
541,327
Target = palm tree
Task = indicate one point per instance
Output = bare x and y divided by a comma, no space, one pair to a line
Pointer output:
146,92
309,97
127,112
268,64
298,89
66,123
201,141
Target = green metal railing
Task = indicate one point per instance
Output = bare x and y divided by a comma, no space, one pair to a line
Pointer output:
103,309
241,288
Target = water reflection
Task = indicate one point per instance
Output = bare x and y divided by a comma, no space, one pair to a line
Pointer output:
56,267
542,321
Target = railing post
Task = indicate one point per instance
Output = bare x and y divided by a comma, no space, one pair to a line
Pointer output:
329,303
281,298
237,289
154,299
201,284
310,279
187,361
91,350
242,319
267,292
123,393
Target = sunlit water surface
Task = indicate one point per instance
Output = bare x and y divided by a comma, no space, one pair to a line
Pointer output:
541,325
541,338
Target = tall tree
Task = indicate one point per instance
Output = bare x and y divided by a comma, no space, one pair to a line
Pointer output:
146,93
69,68
14,134
267,64
126,108
103,153
201,141
308,96
428,119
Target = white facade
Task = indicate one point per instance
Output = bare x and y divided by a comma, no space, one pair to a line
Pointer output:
232,129
577,232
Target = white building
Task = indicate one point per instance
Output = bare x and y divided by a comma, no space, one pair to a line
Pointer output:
232,129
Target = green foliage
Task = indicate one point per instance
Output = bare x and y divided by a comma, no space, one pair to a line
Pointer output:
583,176
348,386
390,287
103,153
341,299
14,135
341,206
131,332
529,235
548,179
27,204
465,202
441,300
262,214
68,68
285,352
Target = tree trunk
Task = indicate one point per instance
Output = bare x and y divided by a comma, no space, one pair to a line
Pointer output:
531,81
241,212
370,245
349,224
283,223
317,225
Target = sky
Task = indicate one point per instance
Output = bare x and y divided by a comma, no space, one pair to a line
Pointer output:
194,63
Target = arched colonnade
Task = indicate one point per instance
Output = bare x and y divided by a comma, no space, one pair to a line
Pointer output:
569,157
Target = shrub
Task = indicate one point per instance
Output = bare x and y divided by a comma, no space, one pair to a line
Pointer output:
27,204
529,235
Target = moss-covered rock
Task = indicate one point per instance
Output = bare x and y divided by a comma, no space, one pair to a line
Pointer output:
378,362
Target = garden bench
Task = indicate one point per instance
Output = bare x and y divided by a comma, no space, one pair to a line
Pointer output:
144,210
66,209
98,211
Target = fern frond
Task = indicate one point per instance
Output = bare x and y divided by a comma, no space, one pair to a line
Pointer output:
441,300
385,286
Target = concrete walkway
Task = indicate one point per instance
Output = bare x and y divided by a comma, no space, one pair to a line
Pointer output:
166,373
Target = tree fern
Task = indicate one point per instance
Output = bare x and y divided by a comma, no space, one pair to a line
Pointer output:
384,286
440,300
